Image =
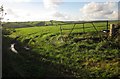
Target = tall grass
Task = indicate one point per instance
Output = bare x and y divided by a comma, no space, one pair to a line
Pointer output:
81,54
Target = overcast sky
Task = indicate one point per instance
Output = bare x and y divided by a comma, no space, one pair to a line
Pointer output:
67,10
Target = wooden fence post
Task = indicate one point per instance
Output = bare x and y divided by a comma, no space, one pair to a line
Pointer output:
107,26
112,26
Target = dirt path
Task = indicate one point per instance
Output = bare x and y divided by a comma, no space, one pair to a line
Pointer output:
27,64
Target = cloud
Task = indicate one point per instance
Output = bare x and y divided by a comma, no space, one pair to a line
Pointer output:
10,11
57,14
16,0
17,15
51,4
100,11
21,0
63,16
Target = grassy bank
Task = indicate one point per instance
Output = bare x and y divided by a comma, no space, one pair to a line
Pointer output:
80,55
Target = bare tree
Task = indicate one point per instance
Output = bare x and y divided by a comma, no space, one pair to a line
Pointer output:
51,22
2,14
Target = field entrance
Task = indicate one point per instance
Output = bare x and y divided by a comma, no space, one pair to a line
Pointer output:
84,28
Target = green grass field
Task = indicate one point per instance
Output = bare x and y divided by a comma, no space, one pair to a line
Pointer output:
80,55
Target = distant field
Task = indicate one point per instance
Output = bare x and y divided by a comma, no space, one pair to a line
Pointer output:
56,29
94,56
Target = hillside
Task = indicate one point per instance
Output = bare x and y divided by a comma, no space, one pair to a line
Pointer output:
80,53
